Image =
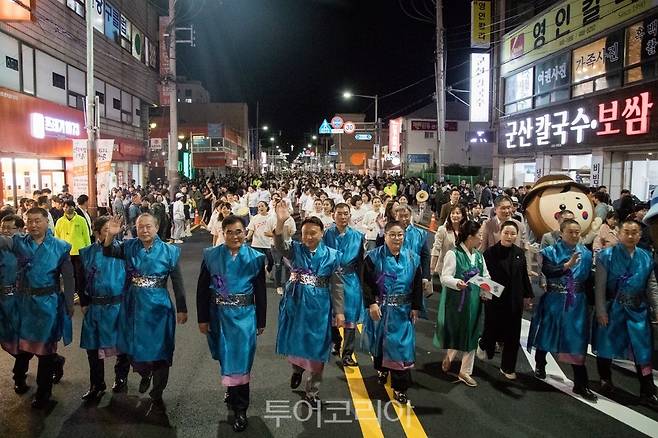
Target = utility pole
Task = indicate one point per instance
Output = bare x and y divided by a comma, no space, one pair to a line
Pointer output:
172,173
440,89
378,127
91,113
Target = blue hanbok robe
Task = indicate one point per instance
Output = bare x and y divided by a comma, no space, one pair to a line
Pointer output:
415,240
44,319
559,325
232,337
106,279
351,245
305,311
393,337
147,318
9,302
628,334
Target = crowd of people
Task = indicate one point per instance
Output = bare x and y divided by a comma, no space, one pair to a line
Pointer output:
361,256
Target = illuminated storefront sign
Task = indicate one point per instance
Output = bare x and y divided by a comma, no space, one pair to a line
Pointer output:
626,116
42,126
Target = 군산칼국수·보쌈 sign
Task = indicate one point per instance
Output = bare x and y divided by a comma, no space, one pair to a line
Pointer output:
624,117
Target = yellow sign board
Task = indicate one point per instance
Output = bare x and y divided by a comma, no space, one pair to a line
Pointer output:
564,25
480,24
16,10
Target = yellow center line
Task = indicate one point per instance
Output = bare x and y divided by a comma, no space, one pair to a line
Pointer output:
408,419
363,408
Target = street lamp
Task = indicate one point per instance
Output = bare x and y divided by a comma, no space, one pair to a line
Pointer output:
272,139
348,95
265,127
315,137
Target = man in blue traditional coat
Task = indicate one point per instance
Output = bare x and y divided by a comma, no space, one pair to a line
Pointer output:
350,243
624,277
393,292
232,310
100,301
147,319
559,325
308,303
415,240
45,312
9,299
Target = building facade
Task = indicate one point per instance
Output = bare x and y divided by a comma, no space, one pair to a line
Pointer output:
190,91
43,88
578,86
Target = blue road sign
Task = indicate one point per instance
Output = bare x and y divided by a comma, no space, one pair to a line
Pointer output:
325,128
363,137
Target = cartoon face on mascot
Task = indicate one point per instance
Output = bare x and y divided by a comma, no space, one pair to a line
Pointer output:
552,194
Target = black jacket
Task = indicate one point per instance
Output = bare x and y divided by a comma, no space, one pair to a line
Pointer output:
507,266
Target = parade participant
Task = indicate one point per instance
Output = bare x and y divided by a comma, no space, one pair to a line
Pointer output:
44,311
100,301
502,315
256,233
327,217
551,237
491,228
317,209
458,321
350,243
73,229
371,222
304,332
358,213
280,269
446,236
147,320
624,274
232,310
392,291
415,240
559,325
9,300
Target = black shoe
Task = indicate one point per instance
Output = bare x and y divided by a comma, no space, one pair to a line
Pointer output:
382,377
21,388
349,362
59,369
585,393
158,405
314,401
40,401
120,385
649,400
295,380
607,387
335,350
540,372
145,383
240,421
401,397
94,393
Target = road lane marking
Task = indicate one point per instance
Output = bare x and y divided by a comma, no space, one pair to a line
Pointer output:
557,379
363,408
408,419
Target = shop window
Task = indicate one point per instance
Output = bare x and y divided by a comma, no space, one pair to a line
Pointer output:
429,134
188,100
552,78
77,6
598,65
59,81
11,63
641,50
46,164
518,91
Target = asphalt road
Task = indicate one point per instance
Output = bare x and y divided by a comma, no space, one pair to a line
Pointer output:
440,407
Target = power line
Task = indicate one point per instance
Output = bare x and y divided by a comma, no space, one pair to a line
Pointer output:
407,86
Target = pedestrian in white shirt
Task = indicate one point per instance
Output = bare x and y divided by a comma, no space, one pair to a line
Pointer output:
252,201
280,270
358,214
179,218
371,222
256,230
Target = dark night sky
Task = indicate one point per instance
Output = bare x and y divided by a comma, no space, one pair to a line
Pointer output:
297,56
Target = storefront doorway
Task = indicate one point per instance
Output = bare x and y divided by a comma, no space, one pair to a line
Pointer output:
22,176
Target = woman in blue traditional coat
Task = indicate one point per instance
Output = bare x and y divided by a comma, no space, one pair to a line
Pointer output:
459,320
45,313
392,290
304,332
100,302
232,310
9,299
350,243
147,319
624,278
559,325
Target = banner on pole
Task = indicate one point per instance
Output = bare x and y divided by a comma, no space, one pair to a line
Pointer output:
104,149
80,168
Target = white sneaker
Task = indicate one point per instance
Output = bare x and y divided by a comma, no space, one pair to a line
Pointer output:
508,376
279,290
